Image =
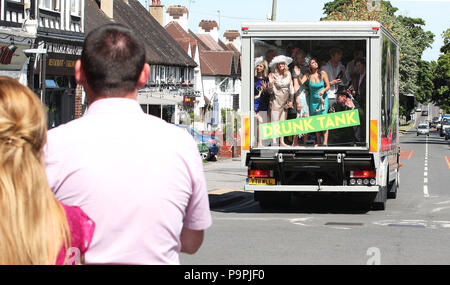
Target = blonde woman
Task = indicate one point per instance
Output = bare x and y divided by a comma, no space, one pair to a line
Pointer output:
34,228
281,89
261,102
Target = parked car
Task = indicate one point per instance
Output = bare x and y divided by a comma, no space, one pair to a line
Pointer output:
204,140
418,109
423,129
447,133
434,122
424,113
445,125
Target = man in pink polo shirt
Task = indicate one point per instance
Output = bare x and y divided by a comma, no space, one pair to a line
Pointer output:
139,178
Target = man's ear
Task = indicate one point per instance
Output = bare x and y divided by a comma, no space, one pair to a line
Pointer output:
80,77
143,77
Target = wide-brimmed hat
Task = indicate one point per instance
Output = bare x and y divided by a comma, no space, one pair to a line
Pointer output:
278,59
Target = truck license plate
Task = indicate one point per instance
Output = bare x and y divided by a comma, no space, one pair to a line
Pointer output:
261,181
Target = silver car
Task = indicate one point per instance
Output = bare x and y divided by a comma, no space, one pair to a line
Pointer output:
423,129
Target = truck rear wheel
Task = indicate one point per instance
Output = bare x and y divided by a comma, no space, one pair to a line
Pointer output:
272,200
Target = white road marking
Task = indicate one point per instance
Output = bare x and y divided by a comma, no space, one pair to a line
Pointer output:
426,224
426,194
440,209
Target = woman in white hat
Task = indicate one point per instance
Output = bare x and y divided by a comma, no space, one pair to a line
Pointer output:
281,89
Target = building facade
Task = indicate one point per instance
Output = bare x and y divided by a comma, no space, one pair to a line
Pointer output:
46,38
218,73
171,77
16,37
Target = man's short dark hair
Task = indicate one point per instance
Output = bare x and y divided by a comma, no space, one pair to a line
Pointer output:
112,60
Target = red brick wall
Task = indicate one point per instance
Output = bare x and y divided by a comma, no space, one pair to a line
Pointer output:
78,101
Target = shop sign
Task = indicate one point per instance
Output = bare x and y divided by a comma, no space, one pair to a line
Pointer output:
61,64
64,49
12,56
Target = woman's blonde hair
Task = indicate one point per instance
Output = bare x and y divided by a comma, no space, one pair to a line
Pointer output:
33,226
266,68
286,72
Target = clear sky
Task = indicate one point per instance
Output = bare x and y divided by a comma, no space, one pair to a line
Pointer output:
231,13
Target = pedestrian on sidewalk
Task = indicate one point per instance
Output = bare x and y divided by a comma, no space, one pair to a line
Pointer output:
35,229
141,179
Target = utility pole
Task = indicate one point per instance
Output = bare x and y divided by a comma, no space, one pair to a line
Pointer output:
274,10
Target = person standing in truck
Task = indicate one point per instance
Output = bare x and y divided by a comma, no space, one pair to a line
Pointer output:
300,67
318,99
281,90
336,73
261,100
349,135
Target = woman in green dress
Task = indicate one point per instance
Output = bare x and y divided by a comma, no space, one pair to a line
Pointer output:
318,101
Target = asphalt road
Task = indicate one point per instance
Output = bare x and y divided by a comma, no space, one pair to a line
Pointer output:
414,228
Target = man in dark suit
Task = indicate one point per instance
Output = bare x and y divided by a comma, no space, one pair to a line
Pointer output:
360,94
349,135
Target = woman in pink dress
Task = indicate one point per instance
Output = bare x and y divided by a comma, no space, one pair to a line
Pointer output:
34,228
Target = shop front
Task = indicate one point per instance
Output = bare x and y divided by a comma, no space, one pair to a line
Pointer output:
57,80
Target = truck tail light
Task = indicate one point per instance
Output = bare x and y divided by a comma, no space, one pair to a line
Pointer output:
363,174
363,177
259,173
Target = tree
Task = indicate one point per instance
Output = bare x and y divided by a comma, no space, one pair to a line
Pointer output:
424,82
413,40
441,94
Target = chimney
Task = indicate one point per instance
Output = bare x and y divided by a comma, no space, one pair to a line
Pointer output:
156,10
210,28
233,37
179,14
107,6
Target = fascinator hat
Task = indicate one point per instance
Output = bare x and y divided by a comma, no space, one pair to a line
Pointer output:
279,59
259,60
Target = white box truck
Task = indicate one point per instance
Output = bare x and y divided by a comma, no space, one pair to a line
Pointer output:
367,167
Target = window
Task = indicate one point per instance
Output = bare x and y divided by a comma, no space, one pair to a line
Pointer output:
336,58
53,5
75,7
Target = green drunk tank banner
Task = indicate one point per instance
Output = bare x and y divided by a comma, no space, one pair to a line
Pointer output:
309,124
